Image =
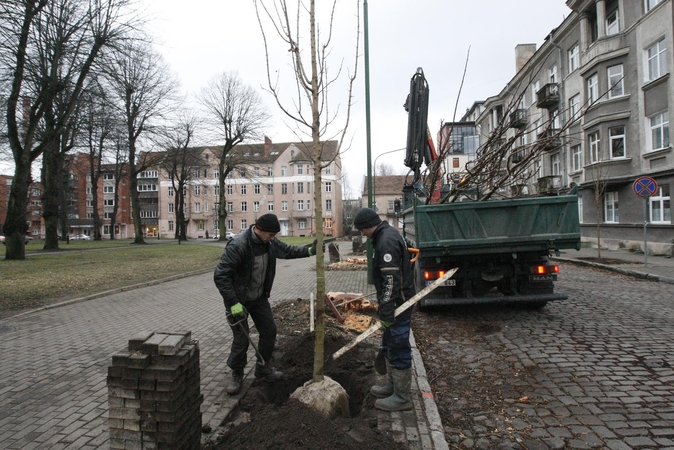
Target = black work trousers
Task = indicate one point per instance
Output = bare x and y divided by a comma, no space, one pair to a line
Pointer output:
260,312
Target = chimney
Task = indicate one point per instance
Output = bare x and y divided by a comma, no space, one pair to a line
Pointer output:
523,52
267,146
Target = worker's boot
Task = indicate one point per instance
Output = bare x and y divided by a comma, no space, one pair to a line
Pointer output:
267,372
387,389
234,385
401,399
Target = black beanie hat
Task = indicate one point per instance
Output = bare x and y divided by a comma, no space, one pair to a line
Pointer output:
269,223
366,218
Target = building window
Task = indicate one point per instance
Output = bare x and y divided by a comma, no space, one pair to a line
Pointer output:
284,205
230,224
577,157
284,171
650,4
270,189
611,207
108,176
270,206
327,170
613,23
300,169
617,141
270,171
244,206
197,207
300,187
657,60
554,164
108,189
170,208
302,224
328,205
256,189
284,188
592,89
216,191
593,141
659,206
230,206
580,209
170,225
615,81
328,222
244,189
109,202
574,107
659,135
197,190
230,189
534,91
553,74
216,174
328,186
149,187
574,58
256,206
170,191
200,225
300,205
242,172
244,224
205,191
256,171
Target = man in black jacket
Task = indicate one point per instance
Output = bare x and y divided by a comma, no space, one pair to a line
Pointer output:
394,281
244,277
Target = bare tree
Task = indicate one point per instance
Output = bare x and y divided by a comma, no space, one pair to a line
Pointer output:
236,113
179,162
120,169
144,90
50,48
309,53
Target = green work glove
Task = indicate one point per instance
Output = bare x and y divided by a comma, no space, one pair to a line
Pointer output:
312,249
237,309
385,324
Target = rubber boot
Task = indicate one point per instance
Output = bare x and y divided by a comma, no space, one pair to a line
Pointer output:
267,372
234,385
386,390
401,399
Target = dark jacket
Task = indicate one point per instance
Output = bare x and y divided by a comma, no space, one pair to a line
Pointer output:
233,274
391,270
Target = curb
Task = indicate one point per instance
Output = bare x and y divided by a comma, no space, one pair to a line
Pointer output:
628,272
113,291
430,407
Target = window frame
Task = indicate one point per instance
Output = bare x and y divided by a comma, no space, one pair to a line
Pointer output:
592,88
662,199
577,157
661,52
663,126
574,57
615,81
611,206
617,137
594,147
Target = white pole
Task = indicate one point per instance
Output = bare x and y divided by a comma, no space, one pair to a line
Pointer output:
311,312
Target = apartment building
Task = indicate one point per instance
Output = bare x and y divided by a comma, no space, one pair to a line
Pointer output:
598,92
386,189
271,177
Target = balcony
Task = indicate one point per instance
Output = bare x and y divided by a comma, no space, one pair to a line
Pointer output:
518,156
550,184
548,96
518,118
550,139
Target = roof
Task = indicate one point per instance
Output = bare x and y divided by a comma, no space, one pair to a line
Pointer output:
386,185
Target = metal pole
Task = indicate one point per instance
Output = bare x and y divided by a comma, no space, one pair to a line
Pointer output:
370,278
645,224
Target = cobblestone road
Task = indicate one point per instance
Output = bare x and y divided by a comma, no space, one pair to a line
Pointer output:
595,371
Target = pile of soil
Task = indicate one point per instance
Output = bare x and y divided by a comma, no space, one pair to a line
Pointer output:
267,419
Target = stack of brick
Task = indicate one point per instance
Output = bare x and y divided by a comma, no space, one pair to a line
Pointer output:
154,396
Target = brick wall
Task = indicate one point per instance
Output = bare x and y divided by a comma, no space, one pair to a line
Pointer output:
154,394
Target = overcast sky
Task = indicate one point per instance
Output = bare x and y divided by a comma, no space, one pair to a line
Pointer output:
202,38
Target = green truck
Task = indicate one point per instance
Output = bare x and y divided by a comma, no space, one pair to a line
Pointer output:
501,247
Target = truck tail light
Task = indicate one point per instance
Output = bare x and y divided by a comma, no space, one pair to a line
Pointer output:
545,269
433,274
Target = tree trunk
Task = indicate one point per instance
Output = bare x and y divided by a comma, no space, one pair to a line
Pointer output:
53,183
15,223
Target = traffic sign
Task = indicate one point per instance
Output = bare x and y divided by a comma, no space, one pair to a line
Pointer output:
645,186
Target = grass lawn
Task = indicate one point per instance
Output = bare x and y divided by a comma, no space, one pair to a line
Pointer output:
83,268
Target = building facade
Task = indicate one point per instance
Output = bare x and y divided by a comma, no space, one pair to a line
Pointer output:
386,189
598,92
268,178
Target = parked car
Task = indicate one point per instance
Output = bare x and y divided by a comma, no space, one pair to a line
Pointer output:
80,237
28,238
229,235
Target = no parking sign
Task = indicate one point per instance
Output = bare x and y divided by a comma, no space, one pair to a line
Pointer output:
645,186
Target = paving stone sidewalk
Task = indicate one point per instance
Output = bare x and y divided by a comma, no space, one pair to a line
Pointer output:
53,392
